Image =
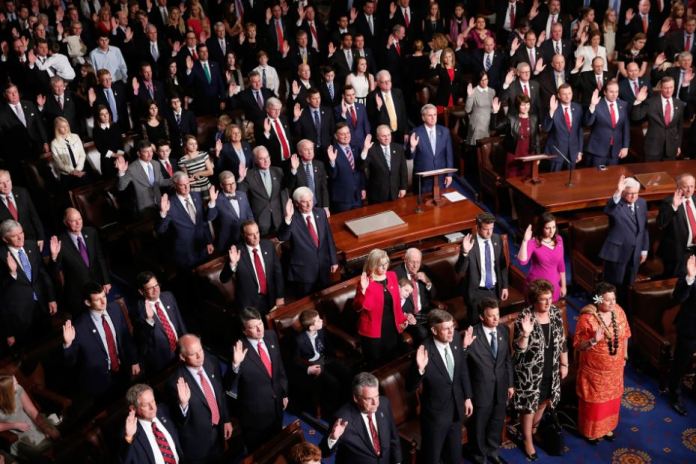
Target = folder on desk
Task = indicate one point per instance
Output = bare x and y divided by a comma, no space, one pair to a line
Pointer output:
655,180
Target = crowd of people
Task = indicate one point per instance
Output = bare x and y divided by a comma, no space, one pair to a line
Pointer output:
317,108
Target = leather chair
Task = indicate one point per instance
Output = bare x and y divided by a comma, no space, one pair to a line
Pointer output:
207,125
491,156
277,449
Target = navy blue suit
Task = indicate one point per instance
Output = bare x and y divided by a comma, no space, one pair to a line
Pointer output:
626,91
229,161
627,238
89,353
606,141
229,222
207,95
153,344
304,127
140,451
359,131
346,182
309,265
568,142
190,239
425,160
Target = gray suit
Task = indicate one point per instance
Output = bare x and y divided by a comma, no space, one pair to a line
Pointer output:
146,196
267,209
479,106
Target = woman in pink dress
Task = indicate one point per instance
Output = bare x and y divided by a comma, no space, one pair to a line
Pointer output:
544,248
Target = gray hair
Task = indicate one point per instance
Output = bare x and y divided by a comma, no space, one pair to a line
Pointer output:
301,192
382,73
427,107
383,127
273,101
178,175
364,380
680,178
632,182
413,251
259,149
522,65
7,226
134,392
303,142
224,175
685,54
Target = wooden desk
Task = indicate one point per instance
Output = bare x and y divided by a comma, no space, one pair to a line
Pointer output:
432,222
591,188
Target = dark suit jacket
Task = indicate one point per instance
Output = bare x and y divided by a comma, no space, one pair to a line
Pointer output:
423,157
508,96
268,210
71,111
26,213
522,56
159,96
199,439
475,59
626,92
359,131
626,239
472,264
569,142
17,306
215,51
207,95
340,63
685,322
425,296
490,377
304,351
383,182
189,239
186,126
586,81
246,285
229,223
229,161
140,451
381,116
548,50
153,344
372,39
326,96
121,97
602,132
304,127
19,141
355,447
245,101
547,85
675,235
346,183
661,142
294,58
89,354
309,263
321,187
260,396
675,43
272,142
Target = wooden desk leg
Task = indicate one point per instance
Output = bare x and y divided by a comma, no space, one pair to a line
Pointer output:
535,179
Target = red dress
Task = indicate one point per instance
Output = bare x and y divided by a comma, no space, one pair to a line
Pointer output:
513,167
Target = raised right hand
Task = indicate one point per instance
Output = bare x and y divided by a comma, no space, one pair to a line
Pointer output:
267,125
131,424
234,255
678,198
527,233
164,204
413,141
183,391
332,154
599,334
691,266
421,358
289,209
553,105
467,243
68,333
54,246
121,164
294,162
364,281
11,263
378,101
527,325
238,353
339,426
297,111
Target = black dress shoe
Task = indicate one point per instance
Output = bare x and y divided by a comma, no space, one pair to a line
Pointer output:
592,441
679,407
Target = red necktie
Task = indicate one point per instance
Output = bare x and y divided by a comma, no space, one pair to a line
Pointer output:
374,435
612,113
524,89
168,168
512,17
692,219
687,46
260,273
168,331
567,118
313,30
398,49
12,208
209,398
407,19
110,345
265,359
416,294
312,232
668,113
194,54
353,116
645,24
279,34
285,148
163,445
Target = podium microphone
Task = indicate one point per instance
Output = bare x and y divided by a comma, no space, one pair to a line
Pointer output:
570,166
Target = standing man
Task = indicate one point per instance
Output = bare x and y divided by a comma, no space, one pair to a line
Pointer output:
313,252
346,176
665,116
685,322
483,264
627,242
431,148
259,378
440,368
490,369
564,125
307,171
355,115
231,209
315,122
386,105
364,430
264,187
677,221
385,168
273,132
16,204
611,127
145,175
201,406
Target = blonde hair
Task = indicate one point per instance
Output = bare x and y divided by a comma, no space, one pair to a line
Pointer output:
7,394
56,122
374,259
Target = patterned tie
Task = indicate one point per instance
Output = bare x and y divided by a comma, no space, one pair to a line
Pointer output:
668,113
566,115
387,156
494,344
310,177
265,359
489,264
163,445
263,288
20,114
407,18
525,90
599,83
349,155
285,148
259,100
60,101
312,232
264,81
488,61
190,209
373,433
82,248
279,33
449,362
692,219
168,331
331,90
391,112
209,398
558,48
635,87
11,207
110,345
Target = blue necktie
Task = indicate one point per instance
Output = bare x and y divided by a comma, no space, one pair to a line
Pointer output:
317,126
331,90
489,263
26,266
310,177
494,344
112,104
150,174
488,62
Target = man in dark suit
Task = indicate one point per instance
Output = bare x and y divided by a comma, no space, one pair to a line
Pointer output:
665,116
522,85
369,25
630,87
563,122
183,217
589,81
205,78
158,323
551,78
331,89
394,58
346,178
302,53
159,14
181,123
252,100
490,371
431,148
100,346
113,96
645,21
355,116
611,127
256,270
384,165
555,44
526,52
683,40
483,264
487,59
342,60
441,370
315,122
231,209
258,377
386,105
306,171
16,204
685,324
684,83
78,255
155,52
26,288
362,51
145,175
145,89
200,408
364,431
312,250
150,435
273,133
62,102
507,14
263,185
677,222
546,17
626,245
219,44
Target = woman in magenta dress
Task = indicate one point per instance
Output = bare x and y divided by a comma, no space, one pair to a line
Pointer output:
544,248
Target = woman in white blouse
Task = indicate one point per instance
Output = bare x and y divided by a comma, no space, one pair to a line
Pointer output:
69,157
362,81
592,50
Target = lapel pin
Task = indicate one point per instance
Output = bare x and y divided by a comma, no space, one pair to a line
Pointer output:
273,346
94,331
164,421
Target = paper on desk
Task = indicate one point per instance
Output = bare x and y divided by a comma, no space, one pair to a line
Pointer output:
454,196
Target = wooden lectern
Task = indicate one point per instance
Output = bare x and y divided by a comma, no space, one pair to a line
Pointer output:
436,173
535,160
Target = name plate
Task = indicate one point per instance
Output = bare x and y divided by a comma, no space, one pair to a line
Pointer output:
387,220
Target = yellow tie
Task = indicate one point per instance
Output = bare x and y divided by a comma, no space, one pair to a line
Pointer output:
393,123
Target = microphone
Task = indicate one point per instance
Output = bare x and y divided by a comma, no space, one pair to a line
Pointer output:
570,166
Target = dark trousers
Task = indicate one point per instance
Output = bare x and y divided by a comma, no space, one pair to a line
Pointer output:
441,442
487,430
621,274
599,160
254,436
683,354
559,164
